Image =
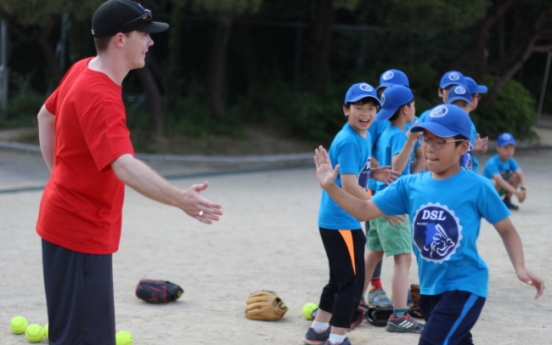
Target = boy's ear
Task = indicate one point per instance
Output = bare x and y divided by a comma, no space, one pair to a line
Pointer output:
465,146
345,110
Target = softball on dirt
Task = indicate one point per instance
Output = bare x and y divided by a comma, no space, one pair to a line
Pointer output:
34,333
308,310
123,338
18,325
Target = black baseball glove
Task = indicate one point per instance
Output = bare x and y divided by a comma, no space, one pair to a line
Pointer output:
158,291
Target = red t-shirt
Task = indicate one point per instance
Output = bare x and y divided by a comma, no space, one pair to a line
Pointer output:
81,207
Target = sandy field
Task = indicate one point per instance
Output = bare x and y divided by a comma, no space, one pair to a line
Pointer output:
267,239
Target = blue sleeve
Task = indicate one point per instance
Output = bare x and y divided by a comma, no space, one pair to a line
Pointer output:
490,205
393,200
347,158
514,164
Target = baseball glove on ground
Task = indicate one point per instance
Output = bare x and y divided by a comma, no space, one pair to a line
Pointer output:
158,291
265,305
378,316
415,310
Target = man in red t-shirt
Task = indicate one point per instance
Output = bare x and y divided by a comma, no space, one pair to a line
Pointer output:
86,145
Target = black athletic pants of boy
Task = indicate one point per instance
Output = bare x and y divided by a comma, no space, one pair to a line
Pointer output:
345,251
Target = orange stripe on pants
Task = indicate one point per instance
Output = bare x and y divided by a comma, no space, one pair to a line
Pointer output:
348,238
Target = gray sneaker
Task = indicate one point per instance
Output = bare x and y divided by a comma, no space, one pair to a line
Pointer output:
344,342
378,298
404,324
313,337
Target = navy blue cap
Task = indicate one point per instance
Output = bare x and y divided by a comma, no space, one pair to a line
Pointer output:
114,16
359,91
393,77
446,120
474,88
392,98
451,78
459,93
505,139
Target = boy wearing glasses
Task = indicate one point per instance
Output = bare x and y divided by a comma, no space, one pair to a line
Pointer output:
445,224
85,143
387,235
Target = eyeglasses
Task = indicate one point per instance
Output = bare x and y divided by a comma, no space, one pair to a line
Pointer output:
436,143
145,18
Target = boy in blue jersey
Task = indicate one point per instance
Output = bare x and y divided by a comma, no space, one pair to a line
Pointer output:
454,279
462,98
385,235
341,233
479,144
448,80
505,172
377,296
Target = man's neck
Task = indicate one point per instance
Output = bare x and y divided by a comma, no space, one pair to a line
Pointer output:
109,65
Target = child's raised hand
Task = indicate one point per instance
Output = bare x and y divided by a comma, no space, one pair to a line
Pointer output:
325,174
385,174
531,279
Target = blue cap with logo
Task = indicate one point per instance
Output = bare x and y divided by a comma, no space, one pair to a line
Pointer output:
446,120
473,87
459,93
392,98
359,91
451,78
505,139
393,77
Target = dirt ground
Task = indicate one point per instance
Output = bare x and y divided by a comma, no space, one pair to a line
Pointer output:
267,239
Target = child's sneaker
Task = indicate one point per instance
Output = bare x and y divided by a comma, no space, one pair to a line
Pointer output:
378,298
344,342
404,324
509,204
313,337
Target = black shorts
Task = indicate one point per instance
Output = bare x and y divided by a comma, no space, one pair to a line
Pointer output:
79,296
450,317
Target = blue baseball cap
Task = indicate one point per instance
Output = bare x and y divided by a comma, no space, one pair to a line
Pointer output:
505,139
459,93
359,91
393,77
446,120
474,88
451,78
392,98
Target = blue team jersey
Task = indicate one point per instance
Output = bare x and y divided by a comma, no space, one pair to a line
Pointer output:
445,222
353,154
496,166
390,144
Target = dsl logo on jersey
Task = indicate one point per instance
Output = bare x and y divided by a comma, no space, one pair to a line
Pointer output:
437,232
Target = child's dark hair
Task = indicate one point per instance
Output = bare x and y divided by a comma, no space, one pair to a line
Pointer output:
398,112
363,101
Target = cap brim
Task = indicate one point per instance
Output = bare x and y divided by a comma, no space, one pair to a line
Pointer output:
153,27
434,128
458,98
384,114
481,89
508,143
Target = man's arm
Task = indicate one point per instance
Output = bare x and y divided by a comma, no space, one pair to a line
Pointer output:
147,182
514,248
360,209
46,135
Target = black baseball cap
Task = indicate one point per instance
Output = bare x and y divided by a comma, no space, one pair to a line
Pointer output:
115,16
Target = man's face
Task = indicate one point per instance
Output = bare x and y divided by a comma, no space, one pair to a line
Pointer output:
137,44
